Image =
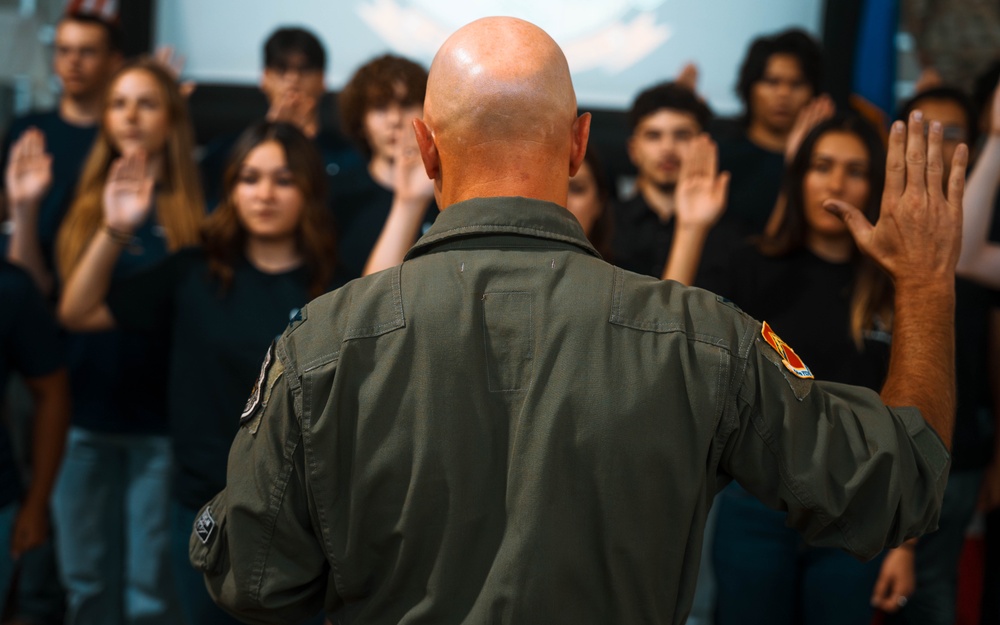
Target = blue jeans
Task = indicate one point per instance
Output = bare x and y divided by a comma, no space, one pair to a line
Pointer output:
765,573
938,553
112,533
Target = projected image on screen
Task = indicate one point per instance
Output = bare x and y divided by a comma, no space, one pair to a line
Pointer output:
615,47
613,35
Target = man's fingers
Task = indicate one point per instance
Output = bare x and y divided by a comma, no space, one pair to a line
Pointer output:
857,224
935,161
956,179
895,161
916,153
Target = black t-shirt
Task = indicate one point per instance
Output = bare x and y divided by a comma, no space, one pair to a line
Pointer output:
69,146
342,162
218,340
642,242
972,442
806,301
118,378
360,213
755,183
29,345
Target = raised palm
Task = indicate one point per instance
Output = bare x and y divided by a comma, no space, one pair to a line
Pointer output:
700,195
29,172
919,229
128,193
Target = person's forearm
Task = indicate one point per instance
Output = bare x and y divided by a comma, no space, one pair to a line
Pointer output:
398,234
24,248
685,254
922,363
977,206
51,423
87,287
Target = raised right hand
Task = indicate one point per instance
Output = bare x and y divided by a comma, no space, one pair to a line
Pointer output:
919,231
409,178
29,172
128,193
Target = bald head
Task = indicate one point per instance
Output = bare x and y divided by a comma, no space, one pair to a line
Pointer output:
499,91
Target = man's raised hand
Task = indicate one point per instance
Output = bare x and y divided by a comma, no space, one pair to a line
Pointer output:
918,233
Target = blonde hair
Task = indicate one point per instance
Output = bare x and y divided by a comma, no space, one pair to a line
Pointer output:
179,202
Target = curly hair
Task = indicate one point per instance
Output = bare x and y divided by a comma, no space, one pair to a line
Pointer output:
375,84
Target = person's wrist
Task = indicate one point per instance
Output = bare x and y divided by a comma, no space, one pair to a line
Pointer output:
118,233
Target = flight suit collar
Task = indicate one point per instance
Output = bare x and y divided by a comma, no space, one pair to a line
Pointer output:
494,216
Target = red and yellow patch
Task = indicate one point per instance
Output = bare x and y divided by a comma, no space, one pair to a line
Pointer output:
789,358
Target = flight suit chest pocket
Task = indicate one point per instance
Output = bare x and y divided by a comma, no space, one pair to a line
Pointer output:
509,341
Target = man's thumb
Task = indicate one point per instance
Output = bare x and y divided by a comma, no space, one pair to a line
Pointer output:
858,225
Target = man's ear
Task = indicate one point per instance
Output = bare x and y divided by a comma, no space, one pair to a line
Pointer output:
581,134
428,149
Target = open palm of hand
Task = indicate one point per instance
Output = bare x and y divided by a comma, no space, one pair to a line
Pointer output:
128,193
409,176
701,190
29,173
919,230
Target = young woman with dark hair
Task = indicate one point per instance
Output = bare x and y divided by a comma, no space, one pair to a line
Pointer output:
589,199
811,284
265,252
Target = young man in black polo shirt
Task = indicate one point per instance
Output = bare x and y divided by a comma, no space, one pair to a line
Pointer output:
87,53
667,215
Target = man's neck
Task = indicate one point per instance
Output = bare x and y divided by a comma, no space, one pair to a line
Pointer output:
768,138
80,111
659,199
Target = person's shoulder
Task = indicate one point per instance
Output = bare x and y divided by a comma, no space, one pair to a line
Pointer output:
363,308
661,306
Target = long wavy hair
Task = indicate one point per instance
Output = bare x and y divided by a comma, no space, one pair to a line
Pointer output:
872,293
180,205
224,236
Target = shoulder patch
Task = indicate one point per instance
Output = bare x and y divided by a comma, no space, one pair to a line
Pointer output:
789,358
270,371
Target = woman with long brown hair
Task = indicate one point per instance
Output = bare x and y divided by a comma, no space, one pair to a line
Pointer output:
111,500
265,251
811,284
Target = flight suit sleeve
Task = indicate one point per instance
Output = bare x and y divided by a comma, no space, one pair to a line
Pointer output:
255,541
850,472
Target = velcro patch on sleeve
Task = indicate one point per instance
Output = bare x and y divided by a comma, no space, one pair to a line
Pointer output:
270,371
789,358
205,525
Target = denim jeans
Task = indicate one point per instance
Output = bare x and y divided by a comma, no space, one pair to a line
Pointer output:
765,573
112,529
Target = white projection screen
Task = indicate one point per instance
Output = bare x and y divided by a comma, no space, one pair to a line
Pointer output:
614,47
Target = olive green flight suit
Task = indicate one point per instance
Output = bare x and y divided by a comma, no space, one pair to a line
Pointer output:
507,429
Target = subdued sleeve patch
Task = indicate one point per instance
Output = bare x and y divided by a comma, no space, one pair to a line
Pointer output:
789,358
270,372
205,525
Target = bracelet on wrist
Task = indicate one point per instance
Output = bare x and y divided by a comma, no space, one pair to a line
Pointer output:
118,236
